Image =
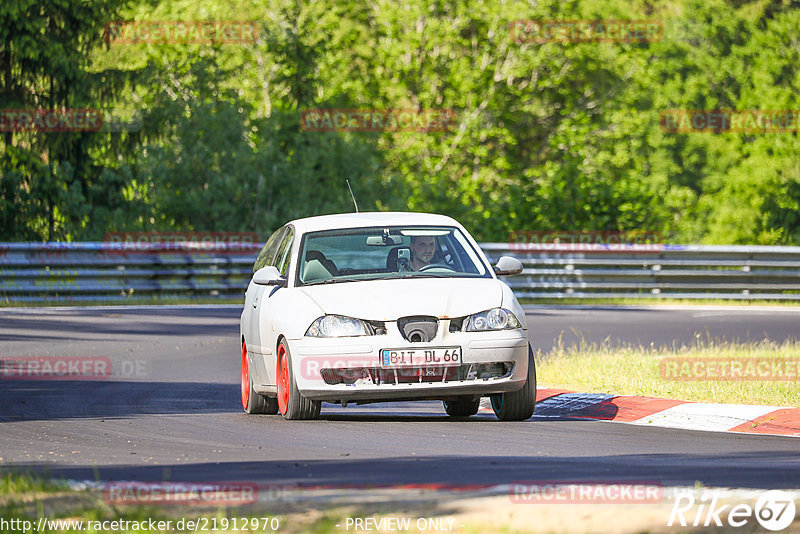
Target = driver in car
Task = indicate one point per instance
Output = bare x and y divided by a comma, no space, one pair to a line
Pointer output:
423,250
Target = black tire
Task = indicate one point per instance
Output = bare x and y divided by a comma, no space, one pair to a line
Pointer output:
463,407
253,402
518,405
296,406
261,404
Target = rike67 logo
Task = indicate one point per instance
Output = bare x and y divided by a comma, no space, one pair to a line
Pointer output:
774,510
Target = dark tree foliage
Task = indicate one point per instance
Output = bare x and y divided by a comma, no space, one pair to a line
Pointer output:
53,185
548,136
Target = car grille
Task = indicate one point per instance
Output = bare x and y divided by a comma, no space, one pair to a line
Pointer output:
418,329
410,375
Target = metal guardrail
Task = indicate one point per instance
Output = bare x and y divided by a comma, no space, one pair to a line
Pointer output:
657,270
62,272
102,271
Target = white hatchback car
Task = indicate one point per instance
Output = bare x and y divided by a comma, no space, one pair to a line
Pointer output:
370,307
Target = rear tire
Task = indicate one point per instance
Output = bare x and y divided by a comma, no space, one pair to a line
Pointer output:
253,402
518,405
463,407
291,404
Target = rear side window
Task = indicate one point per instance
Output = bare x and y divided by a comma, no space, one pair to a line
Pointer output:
267,255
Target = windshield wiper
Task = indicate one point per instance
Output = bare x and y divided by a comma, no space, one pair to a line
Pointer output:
401,277
334,281
417,275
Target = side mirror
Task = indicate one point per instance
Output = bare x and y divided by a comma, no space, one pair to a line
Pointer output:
269,276
507,265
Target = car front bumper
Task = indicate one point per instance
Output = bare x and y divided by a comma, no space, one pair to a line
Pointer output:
491,362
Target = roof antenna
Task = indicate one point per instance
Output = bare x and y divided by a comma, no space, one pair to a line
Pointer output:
352,195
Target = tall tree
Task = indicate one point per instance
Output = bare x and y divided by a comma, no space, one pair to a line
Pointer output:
49,181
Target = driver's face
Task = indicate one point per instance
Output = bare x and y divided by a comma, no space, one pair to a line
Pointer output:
422,249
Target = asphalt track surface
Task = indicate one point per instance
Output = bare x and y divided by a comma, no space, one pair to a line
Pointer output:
172,411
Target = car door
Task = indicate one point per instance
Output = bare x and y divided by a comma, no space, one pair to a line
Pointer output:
266,308
253,294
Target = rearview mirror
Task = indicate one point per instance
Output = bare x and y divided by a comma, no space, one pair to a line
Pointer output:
269,276
385,240
507,266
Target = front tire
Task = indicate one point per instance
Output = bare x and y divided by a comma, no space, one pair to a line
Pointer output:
463,407
518,405
291,404
253,402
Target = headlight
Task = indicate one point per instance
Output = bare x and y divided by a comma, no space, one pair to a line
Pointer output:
338,326
494,319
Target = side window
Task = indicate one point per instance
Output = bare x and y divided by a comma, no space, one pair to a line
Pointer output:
284,253
267,254
451,254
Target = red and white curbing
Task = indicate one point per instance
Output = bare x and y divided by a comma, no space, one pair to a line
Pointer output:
745,418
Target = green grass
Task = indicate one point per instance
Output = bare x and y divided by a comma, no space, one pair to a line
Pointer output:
24,498
637,371
28,497
16,483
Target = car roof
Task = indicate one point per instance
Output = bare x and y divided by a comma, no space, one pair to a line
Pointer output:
374,218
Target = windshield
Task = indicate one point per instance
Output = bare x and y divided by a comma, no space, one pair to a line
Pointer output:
392,252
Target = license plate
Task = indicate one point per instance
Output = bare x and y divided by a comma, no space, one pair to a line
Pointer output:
421,357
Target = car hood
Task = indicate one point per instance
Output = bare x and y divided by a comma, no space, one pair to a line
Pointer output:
387,300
